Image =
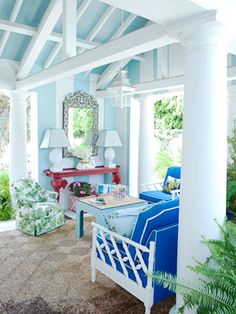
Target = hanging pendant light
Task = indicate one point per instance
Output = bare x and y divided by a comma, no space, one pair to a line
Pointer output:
121,89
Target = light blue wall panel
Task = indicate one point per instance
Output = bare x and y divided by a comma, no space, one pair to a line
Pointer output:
46,119
81,83
133,68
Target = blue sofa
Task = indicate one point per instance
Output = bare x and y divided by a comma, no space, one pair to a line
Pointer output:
158,195
152,247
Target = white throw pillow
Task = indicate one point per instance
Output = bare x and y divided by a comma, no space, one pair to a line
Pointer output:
122,221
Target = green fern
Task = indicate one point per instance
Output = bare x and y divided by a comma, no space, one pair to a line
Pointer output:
215,292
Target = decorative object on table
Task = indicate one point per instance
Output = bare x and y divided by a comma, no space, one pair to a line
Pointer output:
80,119
81,189
119,191
56,139
104,188
98,200
109,139
85,157
37,210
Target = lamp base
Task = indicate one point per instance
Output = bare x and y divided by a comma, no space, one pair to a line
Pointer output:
55,157
109,157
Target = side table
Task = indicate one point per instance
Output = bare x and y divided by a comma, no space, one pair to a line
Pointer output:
96,210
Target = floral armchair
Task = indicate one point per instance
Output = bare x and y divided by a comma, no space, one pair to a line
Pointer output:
37,210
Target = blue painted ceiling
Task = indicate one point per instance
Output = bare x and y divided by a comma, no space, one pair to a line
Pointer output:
31,13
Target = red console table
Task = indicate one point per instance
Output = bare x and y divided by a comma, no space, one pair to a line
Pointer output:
58,178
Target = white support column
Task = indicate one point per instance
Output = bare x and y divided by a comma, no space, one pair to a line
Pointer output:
18,140
146,141
134,147
69,28
203,182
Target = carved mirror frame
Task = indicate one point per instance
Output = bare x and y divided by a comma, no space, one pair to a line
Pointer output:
82,100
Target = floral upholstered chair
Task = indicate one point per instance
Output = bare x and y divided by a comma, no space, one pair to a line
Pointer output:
37,210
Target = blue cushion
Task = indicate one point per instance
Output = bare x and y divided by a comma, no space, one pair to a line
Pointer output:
155,196
158,216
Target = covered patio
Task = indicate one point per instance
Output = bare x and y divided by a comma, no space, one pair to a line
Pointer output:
122,56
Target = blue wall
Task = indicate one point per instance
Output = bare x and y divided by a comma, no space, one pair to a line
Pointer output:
46,120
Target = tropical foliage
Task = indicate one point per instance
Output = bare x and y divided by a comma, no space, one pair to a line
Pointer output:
231,174
82,121
216,290
6,211
168,123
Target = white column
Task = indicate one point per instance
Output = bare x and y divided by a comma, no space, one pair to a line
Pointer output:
18,140
146,141
203,182
134,147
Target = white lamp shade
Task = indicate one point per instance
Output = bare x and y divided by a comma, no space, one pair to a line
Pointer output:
54,138
109,138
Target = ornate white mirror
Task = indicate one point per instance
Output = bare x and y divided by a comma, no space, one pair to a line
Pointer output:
80,122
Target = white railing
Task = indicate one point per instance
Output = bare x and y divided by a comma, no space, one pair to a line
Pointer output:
105,242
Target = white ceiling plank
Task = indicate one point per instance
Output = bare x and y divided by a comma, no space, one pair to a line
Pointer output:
13,16
82,8
120,31
31,31
142,40
101,22
48,22
82,43
69,28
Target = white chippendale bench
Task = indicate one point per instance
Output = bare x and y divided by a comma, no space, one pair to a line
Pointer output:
152,247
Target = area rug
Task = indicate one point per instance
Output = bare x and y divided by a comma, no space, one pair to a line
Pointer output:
50,274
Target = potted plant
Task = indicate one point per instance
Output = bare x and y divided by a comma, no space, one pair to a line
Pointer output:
81,189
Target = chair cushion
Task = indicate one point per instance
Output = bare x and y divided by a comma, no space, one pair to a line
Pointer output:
122,221
174,172
158,216
155,196
171,184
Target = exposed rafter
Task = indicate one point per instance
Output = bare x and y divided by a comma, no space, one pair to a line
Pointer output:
31,31
13,17
69,28
113,68
111,72
96,29
120,31
142,40
80,12
46,26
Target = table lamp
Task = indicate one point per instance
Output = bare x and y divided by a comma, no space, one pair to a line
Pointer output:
56,139
109,139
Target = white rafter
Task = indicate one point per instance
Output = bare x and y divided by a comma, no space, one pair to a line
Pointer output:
80,11
112,70
31,31
139,41
120,31
96,29
13,17
48,22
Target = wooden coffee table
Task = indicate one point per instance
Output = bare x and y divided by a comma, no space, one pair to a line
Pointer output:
96,210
